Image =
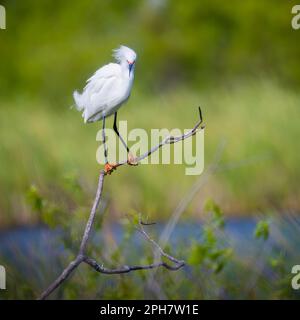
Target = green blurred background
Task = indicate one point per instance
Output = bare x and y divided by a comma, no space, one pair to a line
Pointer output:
239,60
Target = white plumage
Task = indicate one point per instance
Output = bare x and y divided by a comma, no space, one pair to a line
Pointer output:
108,88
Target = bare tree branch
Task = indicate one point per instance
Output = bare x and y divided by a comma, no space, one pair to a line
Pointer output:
156,246
90,222
126,269
81,257
168,140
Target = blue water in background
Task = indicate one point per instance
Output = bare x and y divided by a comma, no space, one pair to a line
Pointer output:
40,239
34,256
42,245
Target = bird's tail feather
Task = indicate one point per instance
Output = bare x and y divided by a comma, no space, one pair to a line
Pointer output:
78,101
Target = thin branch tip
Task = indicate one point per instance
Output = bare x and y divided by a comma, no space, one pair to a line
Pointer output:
200,114
147,223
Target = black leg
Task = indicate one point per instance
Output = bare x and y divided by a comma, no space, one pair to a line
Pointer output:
104,139
118,134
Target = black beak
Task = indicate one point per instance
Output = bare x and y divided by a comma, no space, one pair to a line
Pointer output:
130,66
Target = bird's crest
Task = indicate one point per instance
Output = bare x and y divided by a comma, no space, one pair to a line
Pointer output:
124,52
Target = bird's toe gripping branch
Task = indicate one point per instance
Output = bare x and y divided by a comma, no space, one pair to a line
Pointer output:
109,167
132,161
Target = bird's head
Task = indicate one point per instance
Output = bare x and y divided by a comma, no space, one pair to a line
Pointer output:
125,55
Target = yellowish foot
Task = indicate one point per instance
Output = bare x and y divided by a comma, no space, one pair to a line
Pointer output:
109,168
132,161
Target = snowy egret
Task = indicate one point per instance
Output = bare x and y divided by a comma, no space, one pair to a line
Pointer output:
105,92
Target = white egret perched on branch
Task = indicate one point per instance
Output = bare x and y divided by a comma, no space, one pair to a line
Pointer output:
106,91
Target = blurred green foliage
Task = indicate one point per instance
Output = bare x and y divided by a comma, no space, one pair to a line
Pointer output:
209,252
50,47
238,60
258,168
262,230
215,268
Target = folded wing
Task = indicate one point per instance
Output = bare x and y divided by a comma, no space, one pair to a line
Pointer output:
99,93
